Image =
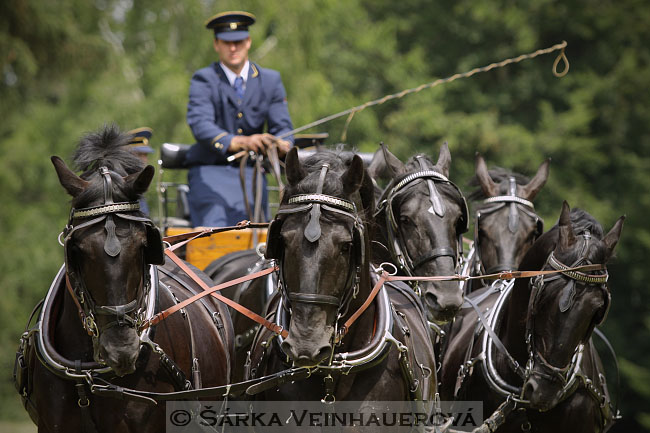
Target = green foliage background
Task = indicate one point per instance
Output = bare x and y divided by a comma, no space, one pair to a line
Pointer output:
70,66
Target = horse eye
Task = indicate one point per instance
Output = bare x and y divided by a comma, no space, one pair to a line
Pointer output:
346,247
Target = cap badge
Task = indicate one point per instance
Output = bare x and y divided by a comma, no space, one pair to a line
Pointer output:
233,26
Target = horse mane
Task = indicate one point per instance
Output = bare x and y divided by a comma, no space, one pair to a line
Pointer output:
498,175
581,222
105,148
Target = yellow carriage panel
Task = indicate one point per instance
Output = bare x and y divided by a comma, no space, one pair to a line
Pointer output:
201,252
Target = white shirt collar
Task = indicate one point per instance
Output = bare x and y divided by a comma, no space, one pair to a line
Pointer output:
232,76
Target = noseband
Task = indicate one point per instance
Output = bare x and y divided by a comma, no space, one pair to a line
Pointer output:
568,374
132,313
511,200
396,244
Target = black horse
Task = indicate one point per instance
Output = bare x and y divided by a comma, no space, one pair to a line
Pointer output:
85,375
421,216
320,240
540,355
505,224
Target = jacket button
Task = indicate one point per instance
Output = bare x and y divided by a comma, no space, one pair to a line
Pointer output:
218,145
240,115
239,131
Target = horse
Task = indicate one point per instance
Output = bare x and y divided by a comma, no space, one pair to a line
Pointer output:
421,216
94,374
345,342
505,223
544,364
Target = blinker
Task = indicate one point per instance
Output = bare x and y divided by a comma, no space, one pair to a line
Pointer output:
568,296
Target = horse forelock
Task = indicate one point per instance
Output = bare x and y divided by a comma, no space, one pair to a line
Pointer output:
413,163
105,148
338,163
581,222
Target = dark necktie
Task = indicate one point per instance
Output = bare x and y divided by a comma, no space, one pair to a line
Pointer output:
239,87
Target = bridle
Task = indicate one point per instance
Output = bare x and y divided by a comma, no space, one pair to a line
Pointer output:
516,205
396,244
132,313
568,374
316,203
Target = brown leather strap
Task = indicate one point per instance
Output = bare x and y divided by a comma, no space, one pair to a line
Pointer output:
498,276
80,310
212,291
242,181
373,294
184,238
501,275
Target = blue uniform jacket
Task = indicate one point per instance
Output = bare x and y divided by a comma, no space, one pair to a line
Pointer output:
215,114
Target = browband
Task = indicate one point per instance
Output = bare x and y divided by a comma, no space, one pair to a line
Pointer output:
411,177
509,198
578,276
323,199
105,209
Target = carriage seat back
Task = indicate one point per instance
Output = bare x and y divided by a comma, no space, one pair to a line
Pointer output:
172,155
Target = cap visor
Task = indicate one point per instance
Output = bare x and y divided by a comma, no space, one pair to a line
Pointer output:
142,149
238,35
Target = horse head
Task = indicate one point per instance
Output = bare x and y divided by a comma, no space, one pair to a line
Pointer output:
565,307
422,216
506,224
108,245
319,241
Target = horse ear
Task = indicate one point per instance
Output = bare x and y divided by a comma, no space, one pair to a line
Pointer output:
566,236
295,172
72,183
487,184
393,165
140,181
444,160
530,190
611,239
353,176
377,167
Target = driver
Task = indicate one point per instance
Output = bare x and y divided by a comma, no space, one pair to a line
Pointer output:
230,102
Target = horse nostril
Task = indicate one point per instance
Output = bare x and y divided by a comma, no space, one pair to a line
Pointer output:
431,300
286,347
529,389
323,353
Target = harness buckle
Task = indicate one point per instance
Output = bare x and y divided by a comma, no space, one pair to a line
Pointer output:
91,326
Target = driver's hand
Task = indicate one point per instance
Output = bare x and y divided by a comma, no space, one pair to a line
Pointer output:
256,143
283,147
